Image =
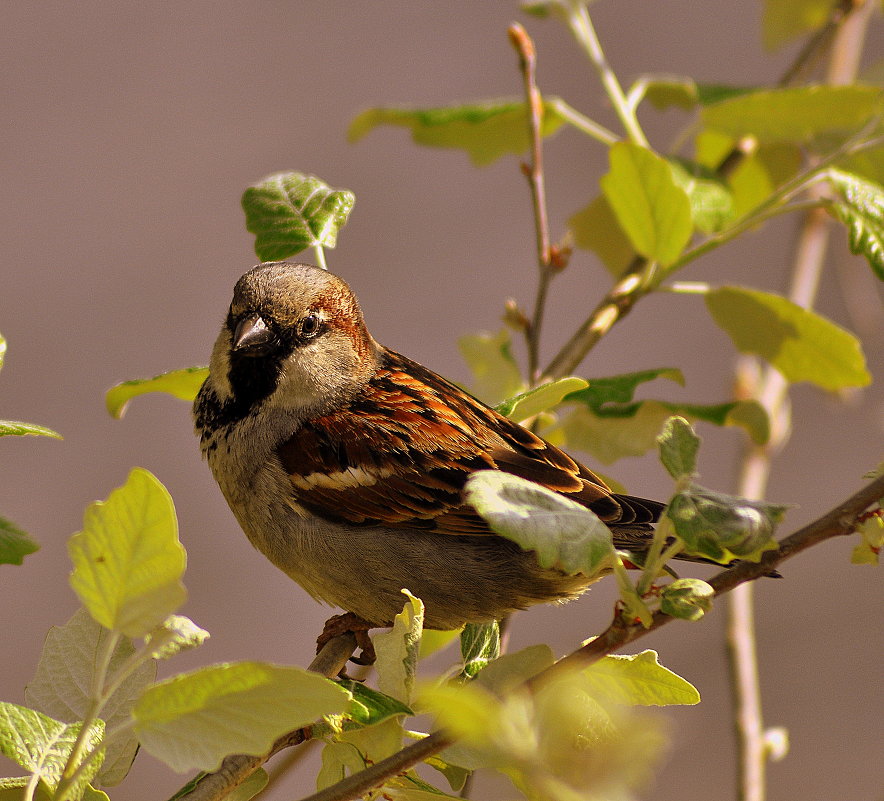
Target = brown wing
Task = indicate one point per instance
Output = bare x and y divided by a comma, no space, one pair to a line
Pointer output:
400,453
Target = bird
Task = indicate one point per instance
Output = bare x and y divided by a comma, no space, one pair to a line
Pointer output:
344,462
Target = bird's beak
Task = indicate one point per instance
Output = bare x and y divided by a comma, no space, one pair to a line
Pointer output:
252,337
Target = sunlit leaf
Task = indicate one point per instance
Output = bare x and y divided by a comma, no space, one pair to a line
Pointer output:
17,429
638,680
871,532
539,399
785,20
177,633
433,640
862,210
15,544
508,671
182,384
595,228
65,672
289,212
369,707
652,209
479,645
193,720
801,344
666,91
486,130
43,745
398,650
128,561
803,115
564,535
712,204
496,375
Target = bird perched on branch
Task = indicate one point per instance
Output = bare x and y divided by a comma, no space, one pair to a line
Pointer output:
344,462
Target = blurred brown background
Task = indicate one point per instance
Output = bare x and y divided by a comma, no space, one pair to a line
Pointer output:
130,129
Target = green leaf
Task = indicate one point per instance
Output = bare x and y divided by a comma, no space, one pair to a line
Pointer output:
595,228
687,598
801,344
651,208
496,375
289,212
724,527
65,672
638,680
369,707
784,20
712,203
182,384
539,399
679,446
666,91
564,535
398,650
509,671
177,633
805,115
14,428
606,392
456,775
43,746
15,544
868,550
128,561
485,130
862,211
193,720
479,645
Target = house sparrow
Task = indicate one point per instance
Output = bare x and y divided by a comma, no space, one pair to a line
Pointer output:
344,461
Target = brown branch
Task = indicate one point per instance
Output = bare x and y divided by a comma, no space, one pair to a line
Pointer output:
534,173
236,768
838,522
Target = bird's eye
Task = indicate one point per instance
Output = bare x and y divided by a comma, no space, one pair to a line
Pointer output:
310,326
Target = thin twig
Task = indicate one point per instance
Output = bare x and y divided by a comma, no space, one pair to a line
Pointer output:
839,521
236,768
534,173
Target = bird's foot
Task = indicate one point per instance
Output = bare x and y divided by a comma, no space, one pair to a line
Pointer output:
350,622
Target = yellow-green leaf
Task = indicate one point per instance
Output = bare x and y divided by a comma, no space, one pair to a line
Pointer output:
15,544
784,20
638,680
183,384
651,208
486,130
801,344
539,399
128,561
194,720
496,375
595,228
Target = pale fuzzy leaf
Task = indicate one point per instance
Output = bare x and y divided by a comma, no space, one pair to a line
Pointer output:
15,429
15,544
539,399
289,212
564,535
339,760
638,680
486,131
802,345
128,561
862,211
194,720
61,686
376,742
183,384
43,745
496,375
679,446
176,634
652,209
507,672
687,598
398,650
724,527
